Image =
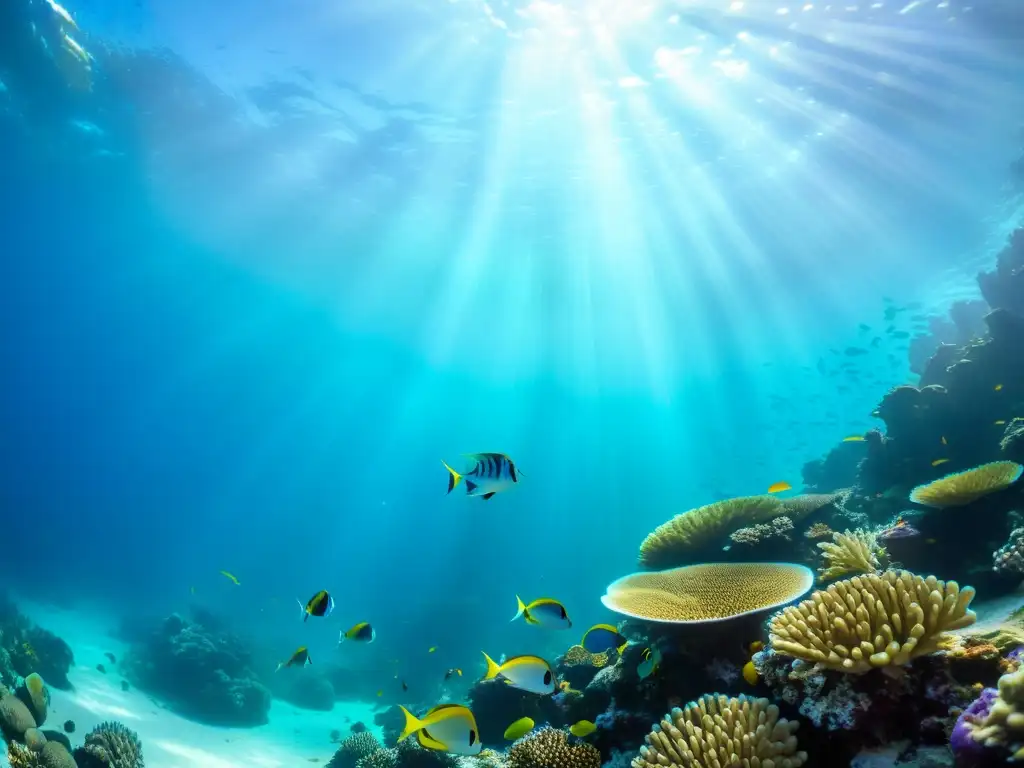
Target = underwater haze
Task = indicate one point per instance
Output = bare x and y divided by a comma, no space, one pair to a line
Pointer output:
266,265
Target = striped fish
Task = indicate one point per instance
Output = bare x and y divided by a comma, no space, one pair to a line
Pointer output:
491,473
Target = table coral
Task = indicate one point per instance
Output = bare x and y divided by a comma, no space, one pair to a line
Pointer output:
871,621
722,731
962,488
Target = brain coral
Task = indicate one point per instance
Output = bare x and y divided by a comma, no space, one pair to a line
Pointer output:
110,745
353,749
717,731
550,748
34,694
15,717
871,621
707,592
849,553
962,488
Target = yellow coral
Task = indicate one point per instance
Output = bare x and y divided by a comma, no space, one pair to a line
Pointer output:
550,748
1004,724
716,731
707,592
849,553
674,542
964,487
871,621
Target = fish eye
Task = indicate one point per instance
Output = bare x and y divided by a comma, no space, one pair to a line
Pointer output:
547,677
472,737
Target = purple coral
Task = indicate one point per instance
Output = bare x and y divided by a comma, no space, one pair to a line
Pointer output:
966,749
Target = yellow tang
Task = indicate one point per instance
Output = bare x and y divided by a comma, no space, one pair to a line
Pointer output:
519,728
528,673
543,612
779,487
445,728
582,729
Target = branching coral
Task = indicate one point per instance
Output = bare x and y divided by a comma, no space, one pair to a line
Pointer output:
721,731
962,488
779,528
708,592
870,621
818,531
550,748
1003,725
110,745
353,749
855,552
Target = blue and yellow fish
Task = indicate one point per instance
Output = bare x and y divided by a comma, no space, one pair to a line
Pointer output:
491,473
543,612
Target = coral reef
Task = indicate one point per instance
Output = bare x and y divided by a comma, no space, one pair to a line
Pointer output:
779,528
1010,556
872,621
1012,442
998,723
848,552
1003,287
15,717
26,648
110,745
51,754
962,488
201,673
353,749
708,592
495,705
719,731
550,748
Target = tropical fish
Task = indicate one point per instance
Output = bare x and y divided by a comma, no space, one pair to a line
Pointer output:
405,687
755,646
379,694
60,11
997,387
854,439
231,576
360,633
320,604
582,729
543,612
491,473
452,672
452,728
298,659
779,487
75,48
999,423
939,462
647,667
944,442
603,637
431,649
528,673
900,530
750,673
519,728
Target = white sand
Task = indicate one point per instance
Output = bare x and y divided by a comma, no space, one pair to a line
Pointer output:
293,735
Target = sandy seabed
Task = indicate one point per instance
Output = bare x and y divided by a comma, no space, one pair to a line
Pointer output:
293,735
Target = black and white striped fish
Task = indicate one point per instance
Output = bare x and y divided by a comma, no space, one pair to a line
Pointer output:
490,474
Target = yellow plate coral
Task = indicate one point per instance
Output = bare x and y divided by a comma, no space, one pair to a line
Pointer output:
962,488
708,592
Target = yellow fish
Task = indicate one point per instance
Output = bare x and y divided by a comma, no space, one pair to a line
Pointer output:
938,462
528,673
452,729
998,387
380,693
854,439
519,728
779,487
298,659
944,440
231,576
750,673
431,649
999,423
582,729
543,612
756,646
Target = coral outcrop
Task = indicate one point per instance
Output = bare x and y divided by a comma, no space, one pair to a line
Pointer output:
110,745
855,552
353,749
1003,286
550,748
201,673
998,723
872,621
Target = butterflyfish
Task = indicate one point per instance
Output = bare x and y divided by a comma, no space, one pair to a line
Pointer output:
603,637
298,659
647,667
543,612
320,604
779,487
519,728
582,729
445,728
491,473
231,576
527,673
360,633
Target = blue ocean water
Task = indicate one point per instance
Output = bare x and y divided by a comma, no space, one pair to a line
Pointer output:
265,265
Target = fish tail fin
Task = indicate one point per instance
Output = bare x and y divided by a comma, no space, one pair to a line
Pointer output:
521,609
412,724
279,667
302,609
622,648
492,667
454,478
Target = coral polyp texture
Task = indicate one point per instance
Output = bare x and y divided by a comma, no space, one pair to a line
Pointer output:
962,488
717,731
550,748
849,553
876,620
110,745
708,592
1002,726
353,749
